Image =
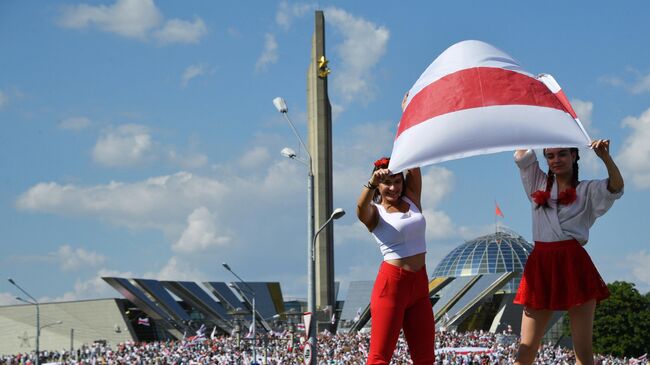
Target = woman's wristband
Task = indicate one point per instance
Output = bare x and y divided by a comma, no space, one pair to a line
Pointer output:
370,186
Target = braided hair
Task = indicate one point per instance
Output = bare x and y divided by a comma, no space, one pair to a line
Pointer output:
550,176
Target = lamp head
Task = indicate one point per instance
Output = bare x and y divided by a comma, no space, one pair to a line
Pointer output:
280,105
338,213
226,266
288,152
12,281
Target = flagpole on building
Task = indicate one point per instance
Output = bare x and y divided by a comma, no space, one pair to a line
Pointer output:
496,226
497,212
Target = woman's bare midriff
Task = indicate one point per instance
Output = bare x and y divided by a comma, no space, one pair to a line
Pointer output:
411,263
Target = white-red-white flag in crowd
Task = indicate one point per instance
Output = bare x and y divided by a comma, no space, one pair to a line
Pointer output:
475,99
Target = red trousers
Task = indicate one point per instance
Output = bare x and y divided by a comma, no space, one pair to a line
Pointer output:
400,300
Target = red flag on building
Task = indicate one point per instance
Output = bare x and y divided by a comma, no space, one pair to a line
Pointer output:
498,211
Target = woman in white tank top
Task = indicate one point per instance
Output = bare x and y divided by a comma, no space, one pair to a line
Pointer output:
389,206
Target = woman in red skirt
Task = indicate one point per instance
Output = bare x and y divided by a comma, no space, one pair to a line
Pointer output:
559,274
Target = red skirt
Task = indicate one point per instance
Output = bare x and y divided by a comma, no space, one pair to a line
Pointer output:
558,276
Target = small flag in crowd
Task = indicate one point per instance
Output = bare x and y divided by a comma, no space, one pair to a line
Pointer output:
250,331
358,315
143,321
306,319
200,336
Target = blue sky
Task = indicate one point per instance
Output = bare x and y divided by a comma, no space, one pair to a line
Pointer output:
139,138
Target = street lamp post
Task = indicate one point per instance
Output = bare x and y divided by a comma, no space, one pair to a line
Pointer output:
281,106
251,292
38,316
238,314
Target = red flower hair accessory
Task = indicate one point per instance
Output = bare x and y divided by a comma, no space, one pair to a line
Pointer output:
567,196
540,197
382,163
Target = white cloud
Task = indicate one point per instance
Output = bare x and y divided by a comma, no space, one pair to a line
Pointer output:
583,109
439,225
182,31
437,183
270,53
160,202
128,18
191,72
201,233
126,145
344,233
3,99
364,44
8,299
634,156
130,145
73,259
190,160
258,156
178,269
287,12
471,232
137,19
74,123
639,263
67,257
95,287
639,85
611,80
91,288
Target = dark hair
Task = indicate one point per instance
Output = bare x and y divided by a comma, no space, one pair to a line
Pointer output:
550,176
382,163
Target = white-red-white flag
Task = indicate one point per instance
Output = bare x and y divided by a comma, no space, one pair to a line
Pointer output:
475,99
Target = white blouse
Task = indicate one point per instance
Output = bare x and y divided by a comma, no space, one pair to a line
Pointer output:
561,222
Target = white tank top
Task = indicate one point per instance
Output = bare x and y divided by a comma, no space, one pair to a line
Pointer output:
400,234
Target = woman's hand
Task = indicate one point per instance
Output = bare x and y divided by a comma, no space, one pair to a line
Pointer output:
601,148
379,176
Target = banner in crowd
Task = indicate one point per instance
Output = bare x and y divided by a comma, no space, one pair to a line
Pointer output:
475,99
464,350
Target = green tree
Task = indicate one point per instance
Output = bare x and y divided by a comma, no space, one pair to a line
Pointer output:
622,323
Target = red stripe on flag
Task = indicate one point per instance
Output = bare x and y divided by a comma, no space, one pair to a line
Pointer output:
478,87
565,102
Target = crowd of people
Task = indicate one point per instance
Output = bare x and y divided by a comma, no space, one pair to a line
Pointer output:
475,347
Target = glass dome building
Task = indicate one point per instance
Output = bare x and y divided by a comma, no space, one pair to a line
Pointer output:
491,254
474,285
500,252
